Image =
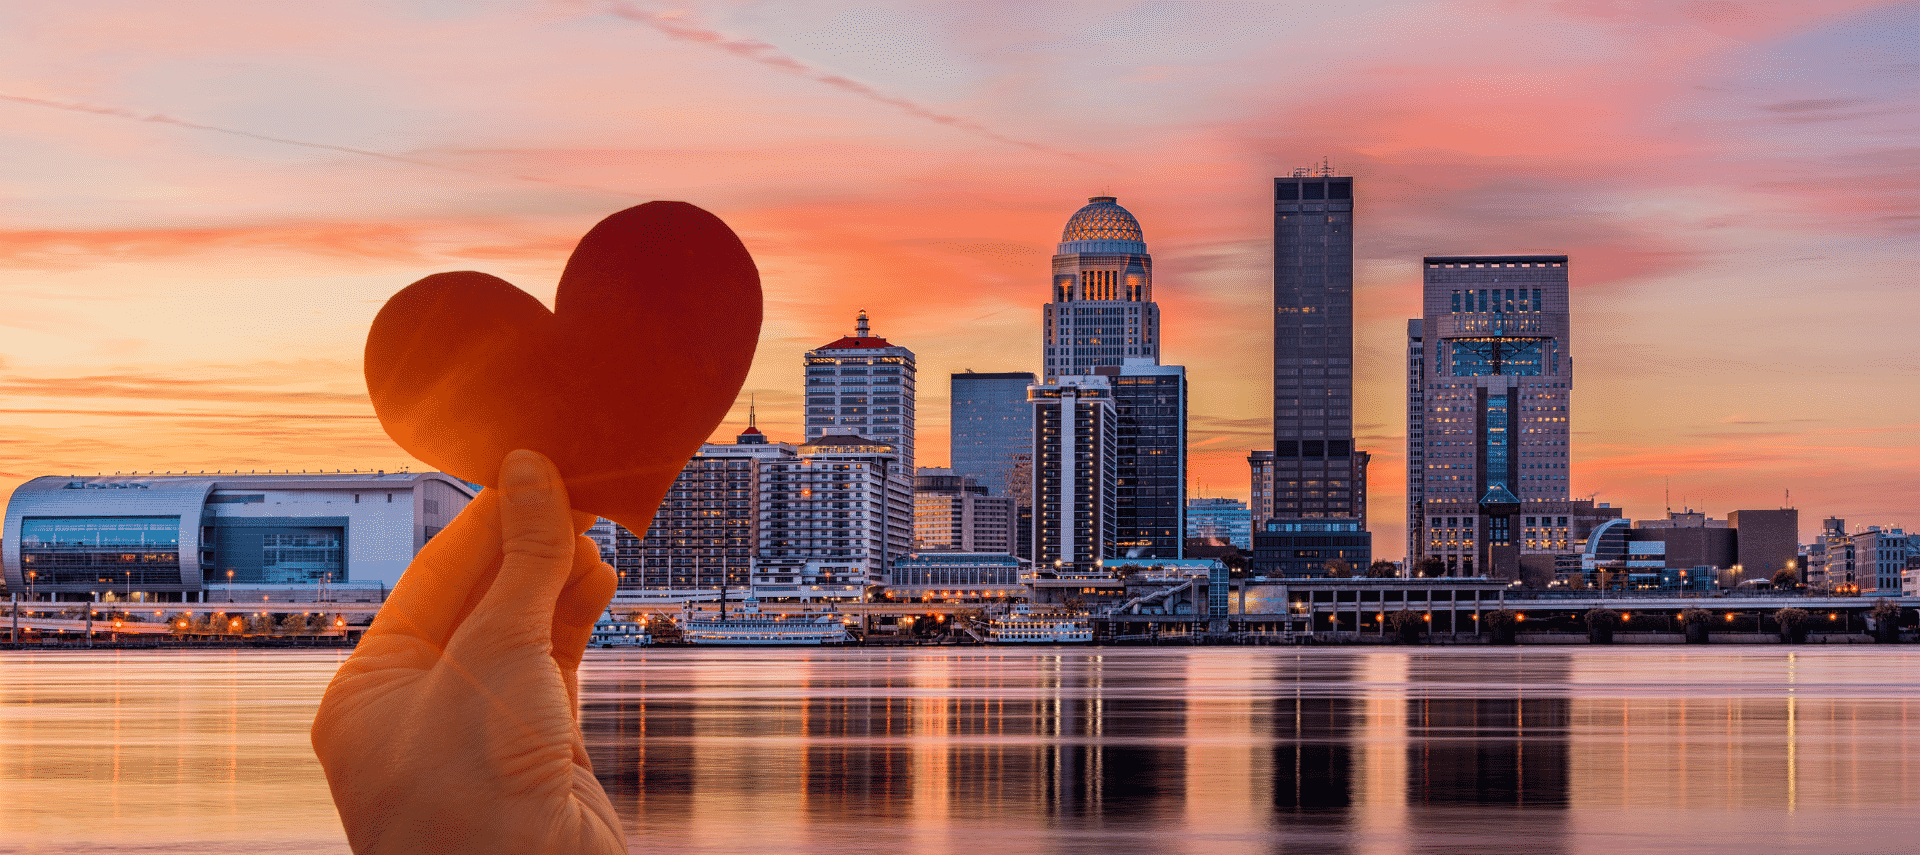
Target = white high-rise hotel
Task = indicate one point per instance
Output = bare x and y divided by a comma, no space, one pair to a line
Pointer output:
860,392
862,385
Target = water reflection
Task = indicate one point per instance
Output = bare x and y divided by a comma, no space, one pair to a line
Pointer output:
1044,751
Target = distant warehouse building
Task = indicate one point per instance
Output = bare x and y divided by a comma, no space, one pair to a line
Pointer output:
175,538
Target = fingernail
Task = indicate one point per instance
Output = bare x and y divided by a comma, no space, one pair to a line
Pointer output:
523,477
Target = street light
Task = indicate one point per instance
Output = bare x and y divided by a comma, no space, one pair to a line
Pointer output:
229,586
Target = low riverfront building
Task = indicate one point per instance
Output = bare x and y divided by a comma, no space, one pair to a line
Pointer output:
1217,608
215,536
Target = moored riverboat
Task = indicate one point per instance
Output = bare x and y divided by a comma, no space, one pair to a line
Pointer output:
745,624
1025,625
611,631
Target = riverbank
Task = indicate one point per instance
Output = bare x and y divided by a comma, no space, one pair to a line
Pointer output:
169,643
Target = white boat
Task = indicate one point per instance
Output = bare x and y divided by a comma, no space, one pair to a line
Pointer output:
611,631
746,624
1023,625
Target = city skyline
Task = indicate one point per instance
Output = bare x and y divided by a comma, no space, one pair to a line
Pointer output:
204,220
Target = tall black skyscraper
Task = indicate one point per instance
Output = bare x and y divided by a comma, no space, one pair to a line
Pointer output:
1150,420
1317,471
1319,480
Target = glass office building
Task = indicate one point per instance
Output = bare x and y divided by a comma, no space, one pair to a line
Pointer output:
1150,459
992,431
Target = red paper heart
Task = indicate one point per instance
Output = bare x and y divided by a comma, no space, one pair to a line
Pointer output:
652,332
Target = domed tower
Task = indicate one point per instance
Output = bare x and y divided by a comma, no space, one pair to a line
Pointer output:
1101,310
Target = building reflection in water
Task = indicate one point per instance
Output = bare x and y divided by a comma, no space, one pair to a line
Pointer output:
1490,733
1311,722
1245,750
1036,752
1491,741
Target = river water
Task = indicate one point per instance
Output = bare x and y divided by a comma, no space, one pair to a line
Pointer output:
1089,750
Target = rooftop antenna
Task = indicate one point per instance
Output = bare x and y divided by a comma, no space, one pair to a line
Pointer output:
1326,167
1669,495
750,413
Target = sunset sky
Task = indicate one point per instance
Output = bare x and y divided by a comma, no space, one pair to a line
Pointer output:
207,201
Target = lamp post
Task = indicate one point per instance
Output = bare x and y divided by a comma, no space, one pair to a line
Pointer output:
31,575
229,586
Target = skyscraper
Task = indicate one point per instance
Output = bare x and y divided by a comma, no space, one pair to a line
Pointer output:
1317,472
1150,458
992,431
1102,308
1488,404
1101,331
1316,487
860,392
1073,473
862,385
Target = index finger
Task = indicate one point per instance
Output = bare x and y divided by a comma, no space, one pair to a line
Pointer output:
447,579
450,575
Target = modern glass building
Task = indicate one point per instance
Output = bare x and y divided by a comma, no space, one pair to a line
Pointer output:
1315,479
1220,520
992,432
172,538
1489,402
1102,309
1150,464
957,570
1308,547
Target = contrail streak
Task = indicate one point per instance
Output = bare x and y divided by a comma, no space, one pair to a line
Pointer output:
768,55
157,118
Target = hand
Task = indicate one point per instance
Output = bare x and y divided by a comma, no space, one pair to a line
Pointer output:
454,727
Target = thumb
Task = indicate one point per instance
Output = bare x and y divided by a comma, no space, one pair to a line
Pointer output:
537,542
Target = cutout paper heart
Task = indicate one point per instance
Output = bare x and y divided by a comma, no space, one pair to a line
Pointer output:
651,335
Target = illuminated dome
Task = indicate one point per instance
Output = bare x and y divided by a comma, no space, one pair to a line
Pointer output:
1102,226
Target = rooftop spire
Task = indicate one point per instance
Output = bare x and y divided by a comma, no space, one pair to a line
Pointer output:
752,435
860,329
